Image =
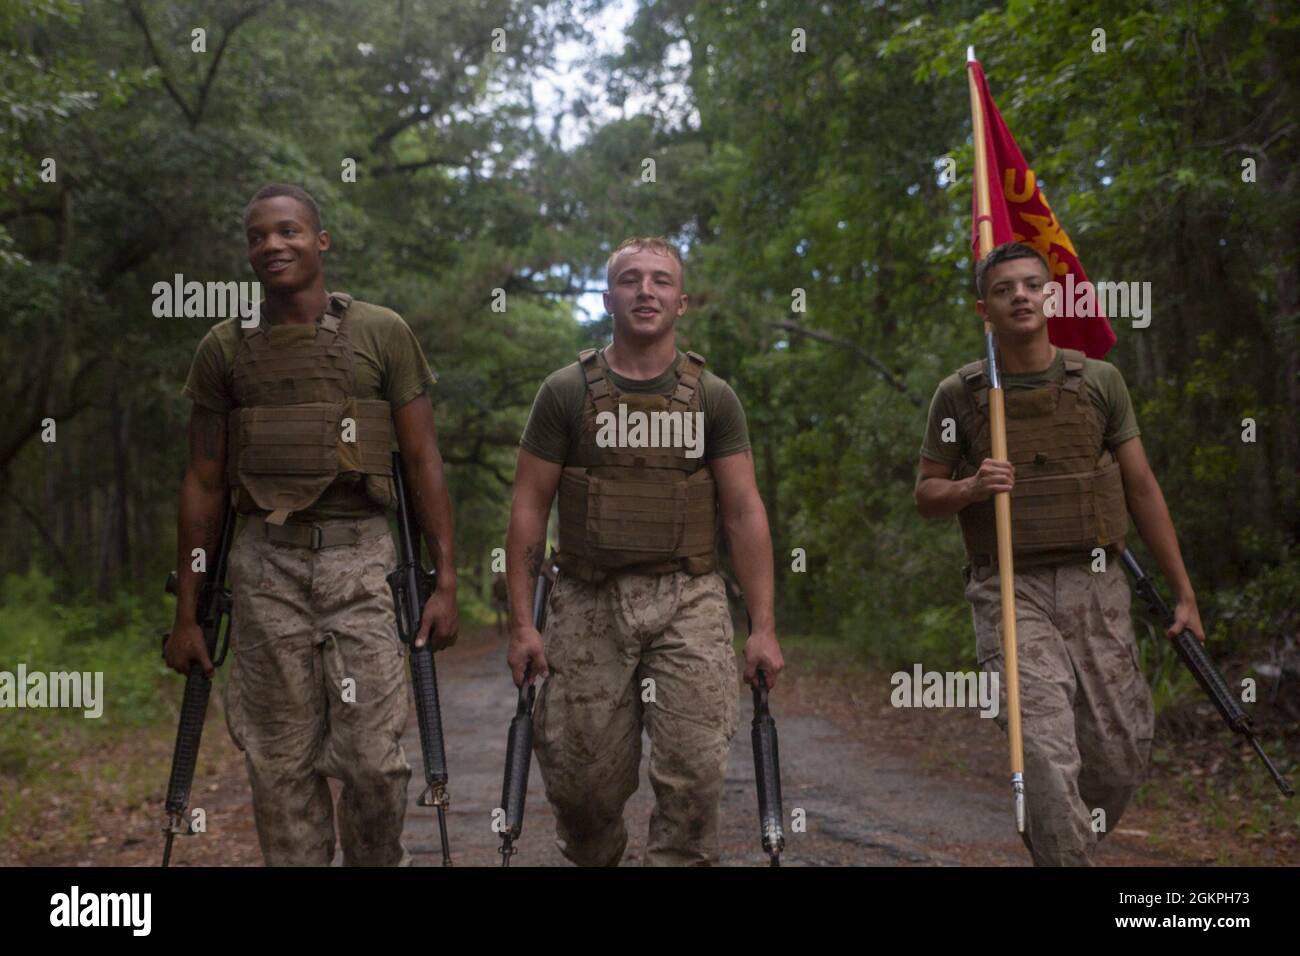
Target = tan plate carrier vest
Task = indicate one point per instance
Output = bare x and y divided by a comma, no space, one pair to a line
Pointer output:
1068,497
649,510
288,439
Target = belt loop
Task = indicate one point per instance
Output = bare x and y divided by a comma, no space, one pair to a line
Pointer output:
317,537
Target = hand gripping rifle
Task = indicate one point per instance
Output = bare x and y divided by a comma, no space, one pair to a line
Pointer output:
1198,662
412,586
211,609
767,773
519,743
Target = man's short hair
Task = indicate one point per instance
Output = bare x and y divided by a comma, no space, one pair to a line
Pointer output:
1005,253
272,190
637,243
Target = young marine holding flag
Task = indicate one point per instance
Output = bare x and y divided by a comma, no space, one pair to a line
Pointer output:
1076,471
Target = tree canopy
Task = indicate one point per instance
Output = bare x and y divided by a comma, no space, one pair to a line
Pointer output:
797,153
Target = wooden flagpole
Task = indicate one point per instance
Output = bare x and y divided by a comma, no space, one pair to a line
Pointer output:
998,431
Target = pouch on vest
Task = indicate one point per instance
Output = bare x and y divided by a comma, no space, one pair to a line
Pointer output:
1069,495
628,521
637,508
296,427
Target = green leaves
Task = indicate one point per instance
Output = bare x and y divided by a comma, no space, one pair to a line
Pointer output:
789,177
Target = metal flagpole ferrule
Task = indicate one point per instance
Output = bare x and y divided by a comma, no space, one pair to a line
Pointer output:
991,352
1018,788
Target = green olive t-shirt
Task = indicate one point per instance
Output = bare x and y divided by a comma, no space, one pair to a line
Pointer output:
953,400
388,363
555,423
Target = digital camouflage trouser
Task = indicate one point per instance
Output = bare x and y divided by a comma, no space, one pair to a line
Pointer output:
318,689
1085,707
652,649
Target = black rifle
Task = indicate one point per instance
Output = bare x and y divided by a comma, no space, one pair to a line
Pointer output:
412,585
211,610
1198,662
519,743
767,773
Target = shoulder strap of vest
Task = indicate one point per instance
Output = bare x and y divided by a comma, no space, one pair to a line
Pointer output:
974,376
247,332
1074,364
593,368
976,379
689,369
335,310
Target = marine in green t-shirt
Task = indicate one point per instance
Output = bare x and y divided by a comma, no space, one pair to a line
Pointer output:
293,421
1076,472
638,601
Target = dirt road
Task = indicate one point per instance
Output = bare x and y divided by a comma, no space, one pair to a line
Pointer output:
864,804
878,786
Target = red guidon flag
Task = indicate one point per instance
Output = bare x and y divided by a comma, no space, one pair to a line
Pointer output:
1019,213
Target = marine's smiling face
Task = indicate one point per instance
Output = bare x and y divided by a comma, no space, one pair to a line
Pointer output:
284,247
645,293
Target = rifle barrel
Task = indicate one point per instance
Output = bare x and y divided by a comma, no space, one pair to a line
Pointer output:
411,586
1211,680
767,773
519,742
210,613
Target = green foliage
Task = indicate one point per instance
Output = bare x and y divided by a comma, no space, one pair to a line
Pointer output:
39,747
119,638
824,179
778,171
1171,683
153,169
41,750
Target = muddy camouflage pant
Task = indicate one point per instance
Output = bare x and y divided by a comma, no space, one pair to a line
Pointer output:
638,649
1085,707
317,690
